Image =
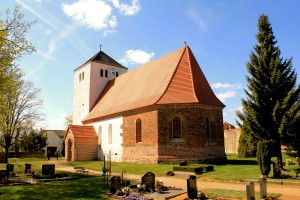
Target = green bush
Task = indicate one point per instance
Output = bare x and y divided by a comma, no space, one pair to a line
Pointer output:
196,170
264,154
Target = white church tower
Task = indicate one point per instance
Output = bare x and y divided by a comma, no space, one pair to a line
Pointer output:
89,81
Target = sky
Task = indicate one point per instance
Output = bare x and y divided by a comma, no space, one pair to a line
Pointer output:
221,35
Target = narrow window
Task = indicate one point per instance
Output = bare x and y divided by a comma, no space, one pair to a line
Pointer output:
101,72
82,75
176,127
138,130
117,74
207,128
106,73
110,134
100,135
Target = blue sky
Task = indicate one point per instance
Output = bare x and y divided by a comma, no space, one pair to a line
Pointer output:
220,33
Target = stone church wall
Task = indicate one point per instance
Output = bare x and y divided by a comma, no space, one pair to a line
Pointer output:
157,145
147,150
195,145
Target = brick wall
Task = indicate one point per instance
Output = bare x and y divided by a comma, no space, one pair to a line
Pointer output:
86,148
157,144
147,149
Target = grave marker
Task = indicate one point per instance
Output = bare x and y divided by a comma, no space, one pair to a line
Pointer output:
115,184
10,168
48,169
148,179
250,191
192,187
263,186
27,168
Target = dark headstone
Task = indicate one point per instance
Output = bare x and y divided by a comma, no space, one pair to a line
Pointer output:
48,169
192,187
10,168
115,184
27,168
184,163
4,174
148,179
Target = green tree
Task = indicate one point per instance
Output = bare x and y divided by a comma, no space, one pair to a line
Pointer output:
13,45
272,93
33,141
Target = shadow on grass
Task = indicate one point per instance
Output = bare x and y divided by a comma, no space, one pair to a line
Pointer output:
85,187
241,162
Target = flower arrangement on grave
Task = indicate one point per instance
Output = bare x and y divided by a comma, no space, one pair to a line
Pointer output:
159,186
126,190
141,188
201,195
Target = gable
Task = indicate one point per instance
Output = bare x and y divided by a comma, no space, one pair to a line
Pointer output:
81,131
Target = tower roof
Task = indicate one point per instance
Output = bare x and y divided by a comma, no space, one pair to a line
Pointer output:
171,79
103,58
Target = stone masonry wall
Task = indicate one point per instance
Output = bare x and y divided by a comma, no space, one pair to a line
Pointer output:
157,144
145,151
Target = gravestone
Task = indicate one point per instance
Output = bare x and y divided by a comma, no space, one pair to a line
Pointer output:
250,191
115,184
263,186
27,168
192,187
4,174
148,179
10,168
48,169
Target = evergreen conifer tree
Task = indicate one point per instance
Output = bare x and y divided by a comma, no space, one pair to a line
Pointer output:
272,95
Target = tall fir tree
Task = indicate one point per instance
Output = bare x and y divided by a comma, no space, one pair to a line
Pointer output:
272,96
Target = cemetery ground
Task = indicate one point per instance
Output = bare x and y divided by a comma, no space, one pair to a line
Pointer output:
226,181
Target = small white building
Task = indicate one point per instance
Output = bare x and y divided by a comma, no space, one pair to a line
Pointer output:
55,141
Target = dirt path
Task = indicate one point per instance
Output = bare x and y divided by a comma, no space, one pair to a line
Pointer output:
287,191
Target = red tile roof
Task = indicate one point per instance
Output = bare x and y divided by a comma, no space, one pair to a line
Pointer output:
174,78
82,131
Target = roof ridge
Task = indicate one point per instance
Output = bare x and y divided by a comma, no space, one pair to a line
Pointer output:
192,74
173,74
96,58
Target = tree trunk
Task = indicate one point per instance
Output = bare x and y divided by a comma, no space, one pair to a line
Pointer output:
6,154
279,156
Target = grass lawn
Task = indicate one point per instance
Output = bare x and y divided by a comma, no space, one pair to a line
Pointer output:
236,169
83,187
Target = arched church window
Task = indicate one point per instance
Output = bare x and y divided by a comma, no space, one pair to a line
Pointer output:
207,128
110,134
82,75
101,72
176,127
100,135
138,130
106,73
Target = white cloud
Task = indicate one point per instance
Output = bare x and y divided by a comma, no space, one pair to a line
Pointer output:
136,56
226,85
226,95
96,14
127,9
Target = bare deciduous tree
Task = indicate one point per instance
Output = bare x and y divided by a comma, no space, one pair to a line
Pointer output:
22,105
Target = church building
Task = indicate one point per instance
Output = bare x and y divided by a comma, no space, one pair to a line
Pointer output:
161,112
